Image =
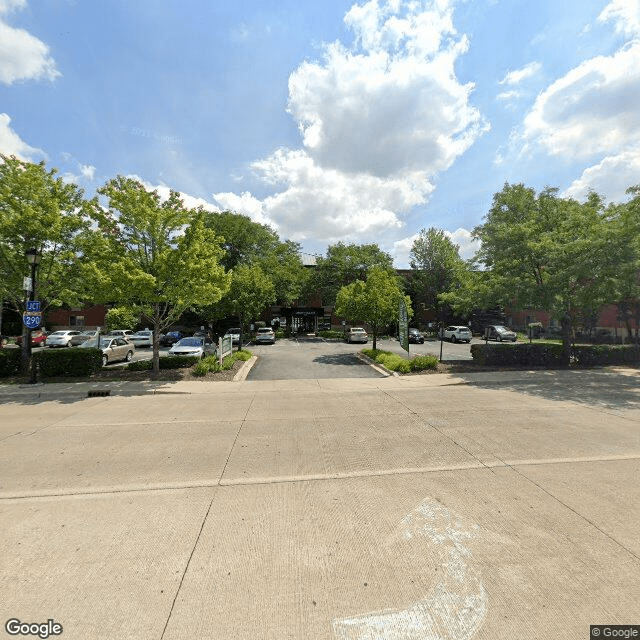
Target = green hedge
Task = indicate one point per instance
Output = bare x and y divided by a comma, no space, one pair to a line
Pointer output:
546,354
166,362
55,363
332,334
211,364
10,362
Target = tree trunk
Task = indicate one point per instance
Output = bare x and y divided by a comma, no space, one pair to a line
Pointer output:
565,323
156,351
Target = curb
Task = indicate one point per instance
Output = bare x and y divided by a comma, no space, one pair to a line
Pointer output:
244,369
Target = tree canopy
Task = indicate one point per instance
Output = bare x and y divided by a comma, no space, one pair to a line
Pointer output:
374,301
344,264
153,254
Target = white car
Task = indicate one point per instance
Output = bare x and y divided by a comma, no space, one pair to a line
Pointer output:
61,338
265,335
194,346
456,334
142,338
235,335
121,333
357,334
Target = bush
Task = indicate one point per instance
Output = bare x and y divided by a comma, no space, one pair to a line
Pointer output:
10,362
201,369
280,334
166,362
373,353
421,363
68,362
551,354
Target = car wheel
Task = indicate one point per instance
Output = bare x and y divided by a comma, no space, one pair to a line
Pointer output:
499,338
129,356
454,339
105,361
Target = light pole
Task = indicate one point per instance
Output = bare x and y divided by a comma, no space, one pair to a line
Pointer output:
34,258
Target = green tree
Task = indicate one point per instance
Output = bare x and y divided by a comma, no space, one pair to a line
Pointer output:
250,243
436,267
153,255
251,291
121,318
39,210
344,264
542,251
375,301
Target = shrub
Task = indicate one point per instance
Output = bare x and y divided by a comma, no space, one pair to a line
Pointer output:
331,334
201,369
280,334
10,362
394,362
166,362
243,355
68,362
420,363
373,353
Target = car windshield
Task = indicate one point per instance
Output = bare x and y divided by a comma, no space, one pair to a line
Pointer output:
93,344
190,342
501,329
57,333
264,331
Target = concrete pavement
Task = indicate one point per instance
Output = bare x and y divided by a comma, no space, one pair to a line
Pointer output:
498,505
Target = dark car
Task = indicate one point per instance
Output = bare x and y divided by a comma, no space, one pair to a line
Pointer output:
499,333
169,339
415,336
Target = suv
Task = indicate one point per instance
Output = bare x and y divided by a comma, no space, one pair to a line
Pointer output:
499,333
265,335
357,334
234,332
456,333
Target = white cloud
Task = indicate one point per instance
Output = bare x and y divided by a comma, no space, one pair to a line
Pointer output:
593,109
22,55
625,14
12,145
610,178
516,77
245,204
379,120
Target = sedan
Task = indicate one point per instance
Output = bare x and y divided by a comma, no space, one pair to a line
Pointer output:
170,338
357,334
113,348
38,339
142,338
415,336
61,338
122,333
265,336
82,337
456,334
499,332
194,346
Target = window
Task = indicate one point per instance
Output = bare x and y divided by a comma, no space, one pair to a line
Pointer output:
76,321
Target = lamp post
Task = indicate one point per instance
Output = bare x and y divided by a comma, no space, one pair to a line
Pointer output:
34,258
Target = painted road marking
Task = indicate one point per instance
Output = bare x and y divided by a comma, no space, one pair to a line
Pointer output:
455,607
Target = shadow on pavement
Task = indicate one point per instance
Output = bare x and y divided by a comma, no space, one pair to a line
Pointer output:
596,388
340,359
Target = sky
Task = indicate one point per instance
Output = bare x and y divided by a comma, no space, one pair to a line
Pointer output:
330,121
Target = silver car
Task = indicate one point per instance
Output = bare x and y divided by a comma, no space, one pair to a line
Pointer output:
357,334
265,335
142,338
113,348
500,333
61,338
456,333
194,346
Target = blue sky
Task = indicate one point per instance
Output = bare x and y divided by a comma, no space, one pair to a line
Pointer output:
335,120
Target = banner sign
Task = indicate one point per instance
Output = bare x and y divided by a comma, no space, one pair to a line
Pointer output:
403,326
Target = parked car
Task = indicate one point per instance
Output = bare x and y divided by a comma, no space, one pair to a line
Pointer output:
38,338
357,334
456,333
123,333
234,332
113,348
142,338
170,338
61,338
499,333
193,346
83,336
265,335
415,336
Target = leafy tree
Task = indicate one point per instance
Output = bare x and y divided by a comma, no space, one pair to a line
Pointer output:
250,243
542,251
344,264
153,255
39,210
437,267
251,291
375,301
121,318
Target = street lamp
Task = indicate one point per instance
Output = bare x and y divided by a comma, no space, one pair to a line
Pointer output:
34,259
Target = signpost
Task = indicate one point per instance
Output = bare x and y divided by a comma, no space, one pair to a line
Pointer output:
403,326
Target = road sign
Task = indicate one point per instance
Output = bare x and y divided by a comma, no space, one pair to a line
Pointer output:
33,306
403,326
32,320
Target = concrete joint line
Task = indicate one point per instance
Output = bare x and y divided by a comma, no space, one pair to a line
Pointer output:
186,568
235,440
